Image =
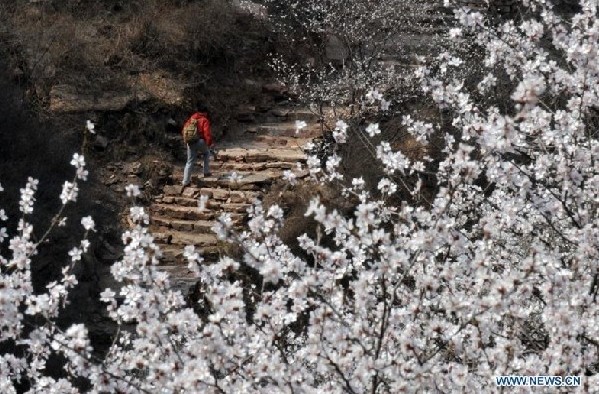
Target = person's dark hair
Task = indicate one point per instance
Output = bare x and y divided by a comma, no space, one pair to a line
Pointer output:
202,108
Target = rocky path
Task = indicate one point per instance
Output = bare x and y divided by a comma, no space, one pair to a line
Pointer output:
241,172
268,147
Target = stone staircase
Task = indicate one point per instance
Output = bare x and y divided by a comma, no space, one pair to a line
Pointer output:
241,172
423,36
266,148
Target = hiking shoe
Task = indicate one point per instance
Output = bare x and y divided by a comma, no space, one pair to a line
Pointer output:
183,187
207,174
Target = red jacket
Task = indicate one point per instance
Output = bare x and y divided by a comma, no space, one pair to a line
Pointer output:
203,126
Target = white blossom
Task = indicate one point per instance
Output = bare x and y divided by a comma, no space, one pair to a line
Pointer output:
455,32
132,190
88,223
82,174
386,186
69,192
373,129
202,201
78,161
340,132
234,176
75,254
27,196
90,127
373,95
139,215
290,177
300,125
385,105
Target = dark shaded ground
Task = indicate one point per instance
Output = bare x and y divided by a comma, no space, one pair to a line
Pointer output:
43,150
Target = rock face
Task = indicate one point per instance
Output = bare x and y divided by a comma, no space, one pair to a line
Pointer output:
66,98
242,172
101,142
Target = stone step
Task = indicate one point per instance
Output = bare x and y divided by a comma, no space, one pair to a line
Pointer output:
203,226
252,166
182,213
285,129
211,203
232,196
176,212
272,141
235,196
275,141
173,254
261,155
180,277
281,134
251,113
283,115
180,201
183,238
249,181
218,206
262,167
234,207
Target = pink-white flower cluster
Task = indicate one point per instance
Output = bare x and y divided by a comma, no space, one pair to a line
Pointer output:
19,304
496,275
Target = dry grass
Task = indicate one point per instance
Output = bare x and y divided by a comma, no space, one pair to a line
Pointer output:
294,201
411,148
93,46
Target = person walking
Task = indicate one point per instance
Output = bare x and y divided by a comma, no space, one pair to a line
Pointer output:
200,141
